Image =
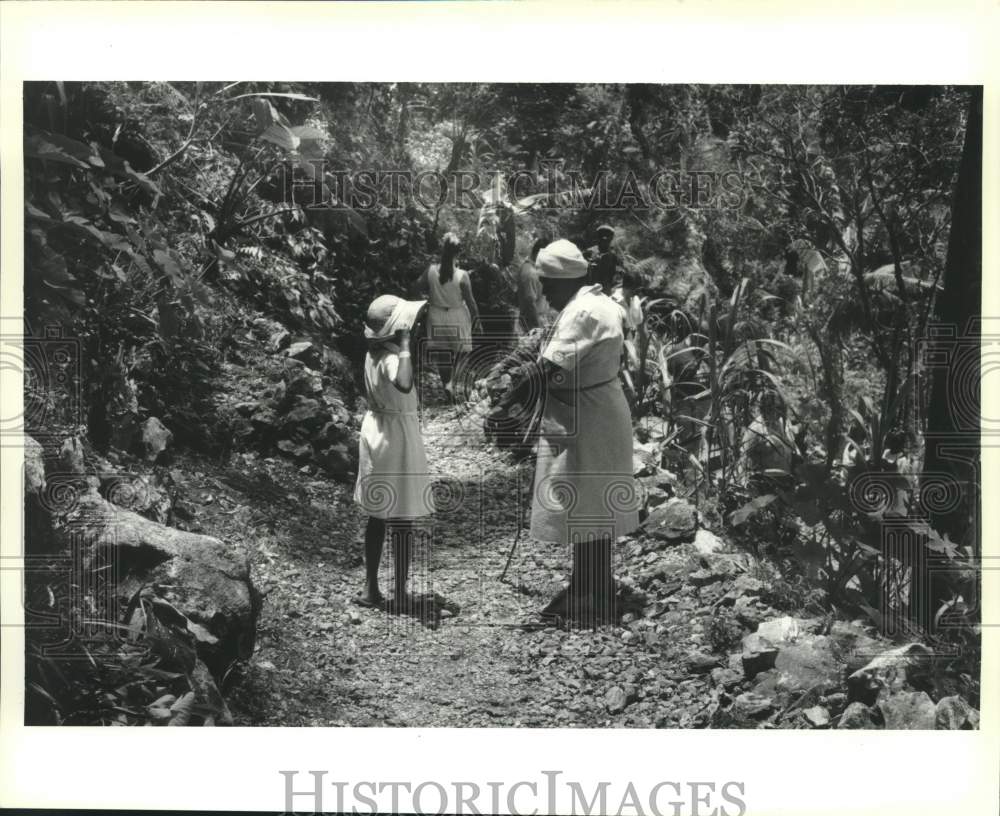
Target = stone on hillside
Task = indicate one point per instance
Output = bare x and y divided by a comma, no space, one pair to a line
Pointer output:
675,520
652,494
264,420
71,460
808,663
338,461
716,567
279,394
747,612
34,468
338,411
706,542
304,382
155,439
855,646
307,412
645,458
246,409
701,663
726,677
758,655
336,364
615,700
750,705
305,352
804,665
745,585
140,494
300,453
704,577
835,701
658,486
278,341
855,716
908,710
953,713
890,671
331,433
781,630
207,696
204,579
817,716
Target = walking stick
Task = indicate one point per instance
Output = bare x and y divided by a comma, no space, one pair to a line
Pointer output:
533,424
510,555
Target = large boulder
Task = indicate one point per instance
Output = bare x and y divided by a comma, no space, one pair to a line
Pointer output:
805,666
706,542
156,437
789,658
34,468
759,655
306,352
673,521
750,705
305,412
908,710
205,580
856,716
304,382
340,461
953,714
140,494
889,672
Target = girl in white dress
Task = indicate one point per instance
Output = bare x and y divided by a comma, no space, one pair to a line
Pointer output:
452,312
393,485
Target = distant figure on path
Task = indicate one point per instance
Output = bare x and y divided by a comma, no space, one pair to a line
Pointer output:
625,296
393,485
604,261
452,312
533,309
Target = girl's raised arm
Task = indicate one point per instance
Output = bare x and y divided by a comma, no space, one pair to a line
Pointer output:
404,372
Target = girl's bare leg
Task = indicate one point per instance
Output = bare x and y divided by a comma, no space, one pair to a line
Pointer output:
374,536
401,536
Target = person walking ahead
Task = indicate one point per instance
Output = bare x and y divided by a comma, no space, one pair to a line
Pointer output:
452,312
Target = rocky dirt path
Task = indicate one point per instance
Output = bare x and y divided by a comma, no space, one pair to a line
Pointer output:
321,660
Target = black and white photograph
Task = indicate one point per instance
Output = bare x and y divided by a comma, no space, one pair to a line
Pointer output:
503,423
421,404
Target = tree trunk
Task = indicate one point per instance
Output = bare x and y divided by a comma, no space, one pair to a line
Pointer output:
951,461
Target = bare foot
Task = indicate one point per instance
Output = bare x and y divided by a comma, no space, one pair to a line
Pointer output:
371,598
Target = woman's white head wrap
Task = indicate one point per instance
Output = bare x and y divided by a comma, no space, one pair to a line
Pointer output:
389,314
561,259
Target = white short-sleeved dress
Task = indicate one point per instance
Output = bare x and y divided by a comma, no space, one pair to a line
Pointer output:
449,323
584,487
393,480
